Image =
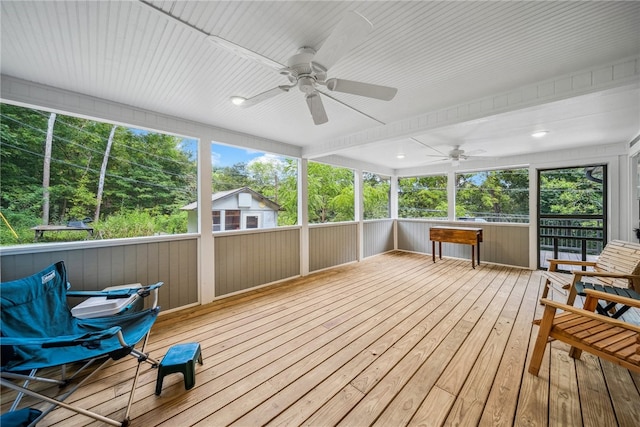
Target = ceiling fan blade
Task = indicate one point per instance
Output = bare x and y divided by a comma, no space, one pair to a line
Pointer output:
243,52
224,43
317,109
250,102
384,93
474,152
350,32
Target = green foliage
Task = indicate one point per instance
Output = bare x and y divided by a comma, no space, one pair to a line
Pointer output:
138,222
21,223
331,196
500,195
422,197
145,171
288,193
570,191
376,196
82,201
229,178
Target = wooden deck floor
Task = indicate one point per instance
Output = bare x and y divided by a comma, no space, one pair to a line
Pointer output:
393,340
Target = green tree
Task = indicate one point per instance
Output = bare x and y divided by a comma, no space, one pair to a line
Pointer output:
229,177
146,170
288,193
572,191
422,197
376,196
331,196
265,175
501,195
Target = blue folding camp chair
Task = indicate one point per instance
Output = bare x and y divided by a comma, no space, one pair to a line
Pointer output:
38,331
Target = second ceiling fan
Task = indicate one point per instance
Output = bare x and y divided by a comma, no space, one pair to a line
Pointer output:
456,155
308,68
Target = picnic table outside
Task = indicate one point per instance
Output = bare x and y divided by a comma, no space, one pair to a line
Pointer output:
71,226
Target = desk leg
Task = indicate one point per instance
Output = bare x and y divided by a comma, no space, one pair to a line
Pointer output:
433,250
440,250
478,245
473,256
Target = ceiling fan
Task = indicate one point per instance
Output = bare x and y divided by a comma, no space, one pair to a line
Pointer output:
308,68
456,155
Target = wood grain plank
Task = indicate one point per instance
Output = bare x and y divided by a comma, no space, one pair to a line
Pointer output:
385,391
502,401
624,395
472,398
564,409
592,388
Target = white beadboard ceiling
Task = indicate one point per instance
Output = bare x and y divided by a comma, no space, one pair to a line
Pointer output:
482,75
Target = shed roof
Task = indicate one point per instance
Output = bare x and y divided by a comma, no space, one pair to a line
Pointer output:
230,193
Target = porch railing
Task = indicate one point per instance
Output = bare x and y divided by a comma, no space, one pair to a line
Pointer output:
583,235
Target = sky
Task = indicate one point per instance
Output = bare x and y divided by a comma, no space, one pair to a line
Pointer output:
221,155
224,155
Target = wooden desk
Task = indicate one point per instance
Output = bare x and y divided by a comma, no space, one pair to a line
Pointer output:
463,235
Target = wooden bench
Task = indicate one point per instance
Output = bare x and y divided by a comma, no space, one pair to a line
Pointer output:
40,229
617,266
584,330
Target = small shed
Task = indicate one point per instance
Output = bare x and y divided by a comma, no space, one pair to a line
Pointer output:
237,209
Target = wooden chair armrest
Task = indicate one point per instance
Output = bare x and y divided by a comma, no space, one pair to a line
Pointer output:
554,262
589,314
606,274
592,293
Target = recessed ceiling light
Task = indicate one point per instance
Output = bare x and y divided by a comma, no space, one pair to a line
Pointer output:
400,155
539,133
237,100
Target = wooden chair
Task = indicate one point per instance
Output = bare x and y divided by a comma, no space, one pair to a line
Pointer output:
617,271
584,330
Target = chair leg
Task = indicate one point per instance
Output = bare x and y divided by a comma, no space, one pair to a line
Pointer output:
541,341
546,288
572,294
575,352
135,380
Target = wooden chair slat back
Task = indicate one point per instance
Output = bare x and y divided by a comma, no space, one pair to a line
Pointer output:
619,257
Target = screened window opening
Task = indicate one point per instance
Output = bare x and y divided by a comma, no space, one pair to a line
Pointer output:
67,175
493,196
423,197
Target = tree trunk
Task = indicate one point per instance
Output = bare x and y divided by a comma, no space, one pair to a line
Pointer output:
46,170
103,172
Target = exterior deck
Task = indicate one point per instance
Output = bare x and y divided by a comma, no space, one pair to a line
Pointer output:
545,255
392,340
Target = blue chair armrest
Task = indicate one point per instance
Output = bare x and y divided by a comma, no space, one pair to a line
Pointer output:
118,293
63,340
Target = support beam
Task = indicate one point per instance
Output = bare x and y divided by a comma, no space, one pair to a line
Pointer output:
615,74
